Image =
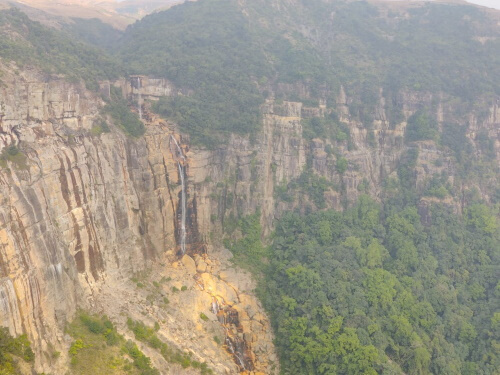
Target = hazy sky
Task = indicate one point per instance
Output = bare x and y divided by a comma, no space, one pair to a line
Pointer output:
487,3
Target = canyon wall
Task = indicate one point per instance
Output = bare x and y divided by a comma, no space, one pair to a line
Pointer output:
245,175
85,211
82,212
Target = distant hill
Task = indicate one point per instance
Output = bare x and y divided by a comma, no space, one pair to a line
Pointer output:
235,52
29,43
117,14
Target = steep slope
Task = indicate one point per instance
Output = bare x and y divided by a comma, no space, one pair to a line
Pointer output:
240,53
28,43
302,112
79,199
400,103
84,211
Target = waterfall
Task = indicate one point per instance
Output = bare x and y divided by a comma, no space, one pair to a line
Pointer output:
180,164
234,352
183,209
178,150
217,310
234,344
215,306
139,98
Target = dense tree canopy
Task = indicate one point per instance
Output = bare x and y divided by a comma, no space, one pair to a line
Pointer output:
228,56
374,291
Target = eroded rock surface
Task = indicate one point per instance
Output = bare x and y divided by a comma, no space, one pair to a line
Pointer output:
87,212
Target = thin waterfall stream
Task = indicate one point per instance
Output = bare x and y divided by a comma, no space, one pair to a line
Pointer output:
139,98
234,352
181,159
232,345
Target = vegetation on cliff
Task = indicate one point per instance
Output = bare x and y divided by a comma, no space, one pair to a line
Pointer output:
124,118
149,336
228,56
119,110
99,349
245,241
13,155
379,288
13,350
209,51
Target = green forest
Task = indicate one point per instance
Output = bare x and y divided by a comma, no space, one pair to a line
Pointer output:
211,51
378,288
28,43
373,291
229,56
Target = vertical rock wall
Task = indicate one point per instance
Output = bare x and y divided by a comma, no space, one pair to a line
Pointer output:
83,210
86,211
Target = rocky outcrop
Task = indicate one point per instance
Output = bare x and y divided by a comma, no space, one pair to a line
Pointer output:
202,305
84,210
242,176
239,178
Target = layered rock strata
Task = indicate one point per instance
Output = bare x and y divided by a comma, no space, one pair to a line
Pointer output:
83,211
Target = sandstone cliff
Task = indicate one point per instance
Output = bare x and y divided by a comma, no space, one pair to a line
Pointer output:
85,212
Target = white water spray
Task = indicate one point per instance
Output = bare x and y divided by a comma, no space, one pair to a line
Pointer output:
183,209
217,309
215,306
180,165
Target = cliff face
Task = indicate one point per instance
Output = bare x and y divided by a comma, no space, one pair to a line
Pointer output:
243,176
80,212
85,212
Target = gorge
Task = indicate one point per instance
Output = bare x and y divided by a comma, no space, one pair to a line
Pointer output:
191,230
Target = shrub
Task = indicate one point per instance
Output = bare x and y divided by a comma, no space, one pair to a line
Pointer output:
141,362
148,336
14,155
421,127
342,165
99,128
75,347
204,317
122,116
